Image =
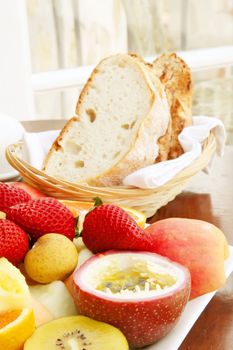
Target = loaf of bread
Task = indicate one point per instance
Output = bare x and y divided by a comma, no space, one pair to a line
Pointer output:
121,114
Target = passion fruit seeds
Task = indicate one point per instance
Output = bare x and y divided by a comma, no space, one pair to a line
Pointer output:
141,278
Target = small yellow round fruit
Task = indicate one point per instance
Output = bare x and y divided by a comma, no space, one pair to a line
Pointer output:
53,257
2,215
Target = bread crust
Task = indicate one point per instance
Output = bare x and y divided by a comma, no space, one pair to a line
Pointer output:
175,75
57,143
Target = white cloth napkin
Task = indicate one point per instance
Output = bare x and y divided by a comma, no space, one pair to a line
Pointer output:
36,146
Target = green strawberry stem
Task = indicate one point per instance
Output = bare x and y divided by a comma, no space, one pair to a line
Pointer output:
78,233
97,201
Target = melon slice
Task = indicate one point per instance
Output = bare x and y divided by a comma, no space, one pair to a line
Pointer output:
55,298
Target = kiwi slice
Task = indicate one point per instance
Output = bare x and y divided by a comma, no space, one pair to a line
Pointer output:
76,333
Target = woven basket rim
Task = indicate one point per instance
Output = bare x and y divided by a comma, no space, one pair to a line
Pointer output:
21,166
145,200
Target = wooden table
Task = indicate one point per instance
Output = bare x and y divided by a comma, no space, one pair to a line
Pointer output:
209,198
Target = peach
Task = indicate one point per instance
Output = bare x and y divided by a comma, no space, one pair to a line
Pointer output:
198,245
34,193
69,283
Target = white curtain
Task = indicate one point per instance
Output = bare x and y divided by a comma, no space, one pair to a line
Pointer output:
68,33
16,98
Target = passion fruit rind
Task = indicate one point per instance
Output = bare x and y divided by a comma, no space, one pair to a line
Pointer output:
107,288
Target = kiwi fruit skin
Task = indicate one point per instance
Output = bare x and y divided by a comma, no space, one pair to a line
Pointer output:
93,335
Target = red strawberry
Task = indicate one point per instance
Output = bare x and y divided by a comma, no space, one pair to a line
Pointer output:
109,227
13,242
10,195
41,216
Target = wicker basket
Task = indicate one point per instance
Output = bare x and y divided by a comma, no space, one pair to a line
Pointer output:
146,200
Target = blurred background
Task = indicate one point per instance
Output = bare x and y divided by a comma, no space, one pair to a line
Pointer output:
66,34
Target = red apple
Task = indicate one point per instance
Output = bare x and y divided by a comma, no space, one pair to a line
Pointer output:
198,245
34,193
142,294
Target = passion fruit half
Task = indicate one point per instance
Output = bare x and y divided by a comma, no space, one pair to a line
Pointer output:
143,294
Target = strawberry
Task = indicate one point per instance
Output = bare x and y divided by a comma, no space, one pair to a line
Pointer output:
10,195
13,242
45,215
109,227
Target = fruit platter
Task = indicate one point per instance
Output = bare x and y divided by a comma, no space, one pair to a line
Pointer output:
90,276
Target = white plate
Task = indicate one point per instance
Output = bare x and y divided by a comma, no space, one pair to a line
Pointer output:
191,313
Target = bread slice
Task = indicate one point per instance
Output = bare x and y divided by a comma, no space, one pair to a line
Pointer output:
121,116
164,141
175,74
